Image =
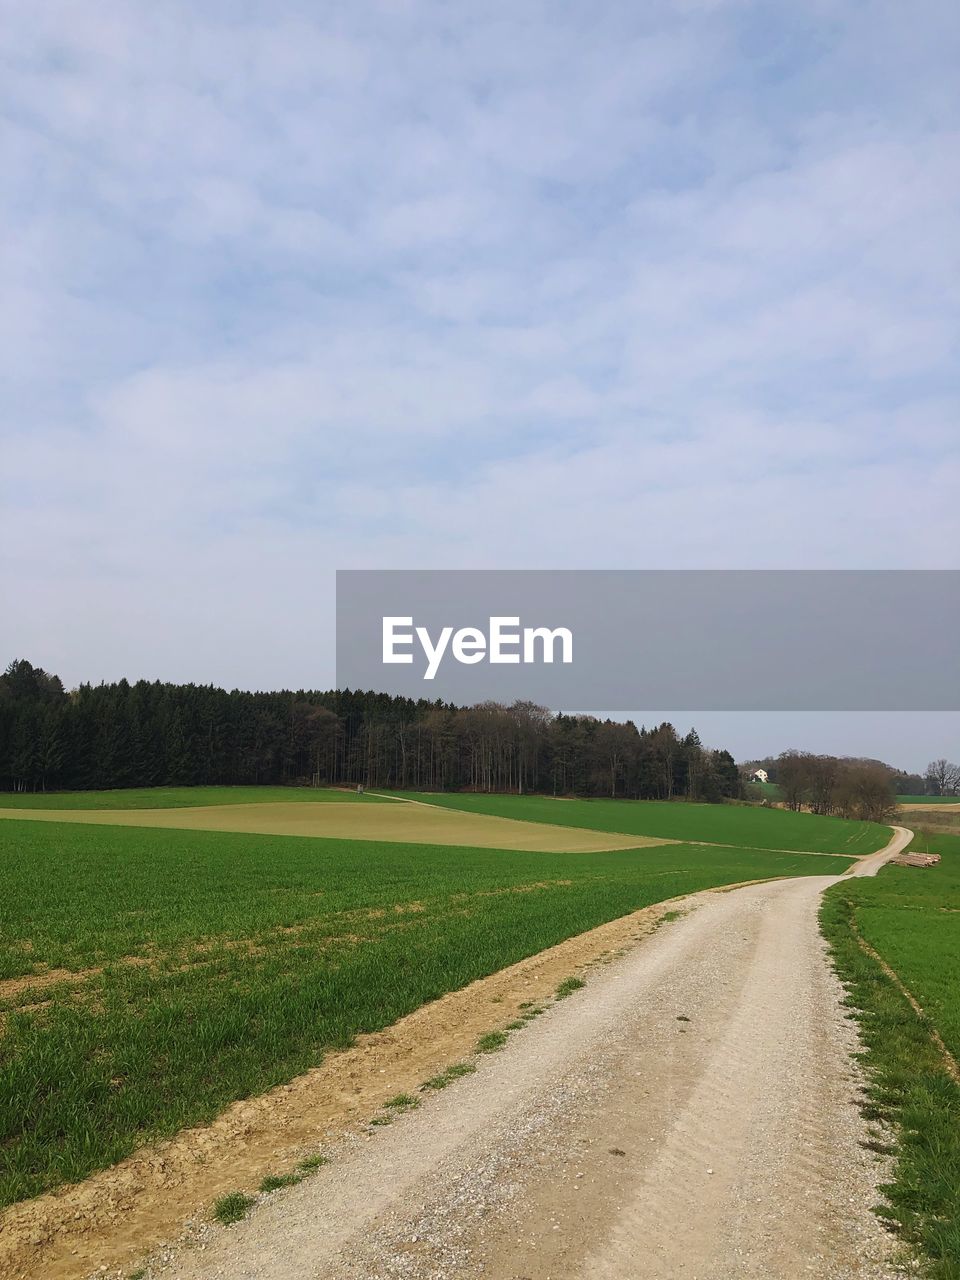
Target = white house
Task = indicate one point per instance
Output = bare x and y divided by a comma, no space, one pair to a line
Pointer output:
758,775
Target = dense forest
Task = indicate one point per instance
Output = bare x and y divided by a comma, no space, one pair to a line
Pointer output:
154,734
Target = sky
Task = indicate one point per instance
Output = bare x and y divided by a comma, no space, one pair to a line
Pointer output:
289,288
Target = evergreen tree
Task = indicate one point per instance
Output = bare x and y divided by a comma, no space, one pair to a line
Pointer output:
151,734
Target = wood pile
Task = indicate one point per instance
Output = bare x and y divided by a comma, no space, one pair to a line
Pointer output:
916,860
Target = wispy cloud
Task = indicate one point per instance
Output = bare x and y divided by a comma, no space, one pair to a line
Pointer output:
420,284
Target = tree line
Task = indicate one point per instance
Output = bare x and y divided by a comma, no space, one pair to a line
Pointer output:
159,734
808,774
835,785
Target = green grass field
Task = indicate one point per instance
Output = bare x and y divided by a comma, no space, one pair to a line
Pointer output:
928,800
177,797
744,825
227,963
910,917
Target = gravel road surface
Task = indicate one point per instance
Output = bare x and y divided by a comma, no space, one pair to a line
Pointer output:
691,1112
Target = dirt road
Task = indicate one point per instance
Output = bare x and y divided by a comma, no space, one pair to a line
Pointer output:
690,1112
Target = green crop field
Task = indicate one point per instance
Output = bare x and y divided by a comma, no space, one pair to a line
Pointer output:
928,800
747,826
911,918
176,971
177,797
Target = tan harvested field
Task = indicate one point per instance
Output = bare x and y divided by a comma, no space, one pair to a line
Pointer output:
934,819
403,822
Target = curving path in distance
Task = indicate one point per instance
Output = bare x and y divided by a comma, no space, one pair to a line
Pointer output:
689,1113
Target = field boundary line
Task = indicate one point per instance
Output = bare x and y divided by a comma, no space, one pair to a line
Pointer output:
382,795
800,853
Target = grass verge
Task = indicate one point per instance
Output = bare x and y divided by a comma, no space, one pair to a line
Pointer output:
893,938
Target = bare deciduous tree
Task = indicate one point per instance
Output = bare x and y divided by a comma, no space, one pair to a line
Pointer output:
943,777
828,785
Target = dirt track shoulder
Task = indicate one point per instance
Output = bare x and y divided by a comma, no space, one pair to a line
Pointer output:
690,1112
119,1214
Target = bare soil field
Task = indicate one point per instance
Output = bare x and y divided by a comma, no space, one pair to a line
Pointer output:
401,822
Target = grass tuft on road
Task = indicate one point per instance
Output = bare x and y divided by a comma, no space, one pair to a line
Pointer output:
233,1207
275,1181
311,1163
908,917
567,988
402,1102
448,1075
491,1042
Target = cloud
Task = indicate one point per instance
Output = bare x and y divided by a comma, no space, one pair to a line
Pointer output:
414,285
